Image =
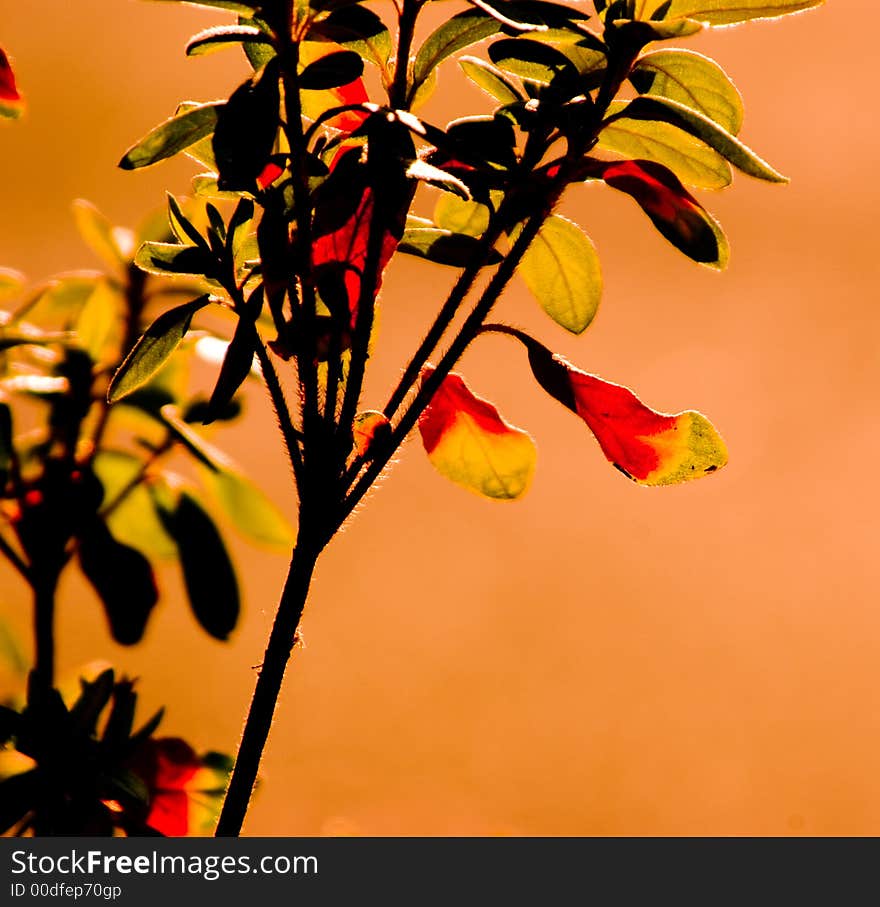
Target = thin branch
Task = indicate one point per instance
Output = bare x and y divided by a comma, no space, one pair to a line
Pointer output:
15,559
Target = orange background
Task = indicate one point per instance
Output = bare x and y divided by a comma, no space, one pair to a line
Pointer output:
599,658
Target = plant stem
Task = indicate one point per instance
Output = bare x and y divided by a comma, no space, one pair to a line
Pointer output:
262,709
44,587
399,91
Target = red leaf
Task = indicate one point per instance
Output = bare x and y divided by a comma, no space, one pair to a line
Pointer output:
11,101
167,765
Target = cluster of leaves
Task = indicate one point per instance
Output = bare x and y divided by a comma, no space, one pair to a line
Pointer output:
80,767
81,481
578,96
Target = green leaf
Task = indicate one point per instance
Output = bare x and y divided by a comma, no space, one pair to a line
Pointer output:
182,227
99,321
173,136
113,245
442,246
701,127
251,511
459,216
158,342
459,32
123,579
221,36
561,268
133,521
490,79
689,158
172,258
692,80
729,12
532,60
211,584
331,71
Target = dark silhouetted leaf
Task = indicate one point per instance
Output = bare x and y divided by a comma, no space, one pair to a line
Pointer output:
335,69
172,258
173,136
246,128
443,246
208,573
359,29
237,364
6,451
123,579
158,342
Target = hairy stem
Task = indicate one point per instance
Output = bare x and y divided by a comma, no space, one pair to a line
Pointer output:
262,709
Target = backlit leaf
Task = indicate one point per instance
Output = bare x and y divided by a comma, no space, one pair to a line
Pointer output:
490,79
99,321
337,68
672,209
370,430
173,136
470,443
692,80
11,282
460,216
112,245
729,12
173,258
211,584
158,342
250,510
457,33
234,6
561,268
649,447
690,159
701,127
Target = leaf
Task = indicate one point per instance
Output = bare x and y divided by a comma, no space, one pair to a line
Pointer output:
359,29
11,101
99,321
693,80
237,365
472,445
332,71
182,227
532,60
133,521
701,127
235,6
208,574
672,209
11,282
123,579
730,12
443,247
221,36
457,33
203,451
251,511
246,128
173,136
460,216
172,258
113,246
434,176
561,268
158,342
649,447
689,158
490,79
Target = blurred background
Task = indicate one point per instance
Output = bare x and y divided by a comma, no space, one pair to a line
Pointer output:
599,659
